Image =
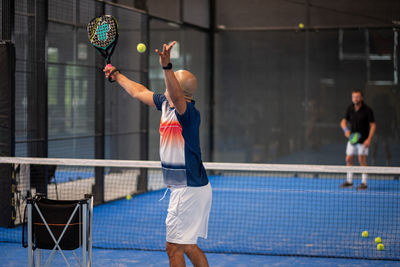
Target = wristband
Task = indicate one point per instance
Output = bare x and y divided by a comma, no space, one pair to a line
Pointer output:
111,73
114,70
345,129
168,67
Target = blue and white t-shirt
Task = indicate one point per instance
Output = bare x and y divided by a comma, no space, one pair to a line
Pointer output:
180,145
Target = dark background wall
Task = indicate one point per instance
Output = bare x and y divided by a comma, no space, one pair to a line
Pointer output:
281,90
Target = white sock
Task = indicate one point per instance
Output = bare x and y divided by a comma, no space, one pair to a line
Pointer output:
364,177
350,177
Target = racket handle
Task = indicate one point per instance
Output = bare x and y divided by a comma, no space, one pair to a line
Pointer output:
109,77
108,65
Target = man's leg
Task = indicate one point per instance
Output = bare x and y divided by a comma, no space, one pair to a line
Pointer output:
196,256
176,254
349,160
349,180
363,162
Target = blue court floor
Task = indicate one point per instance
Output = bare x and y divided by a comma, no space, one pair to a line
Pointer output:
13,255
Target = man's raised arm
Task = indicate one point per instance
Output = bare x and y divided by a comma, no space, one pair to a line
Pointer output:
135,89
173,87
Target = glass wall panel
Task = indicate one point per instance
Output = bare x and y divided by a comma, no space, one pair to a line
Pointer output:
281,95
168,9
197,12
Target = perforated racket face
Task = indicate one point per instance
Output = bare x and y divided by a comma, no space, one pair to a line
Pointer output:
102,31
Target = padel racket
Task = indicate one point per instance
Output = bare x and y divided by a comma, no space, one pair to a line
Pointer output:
103,35
354,138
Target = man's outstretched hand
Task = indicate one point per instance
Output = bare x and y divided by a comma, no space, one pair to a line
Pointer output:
108,70
165,54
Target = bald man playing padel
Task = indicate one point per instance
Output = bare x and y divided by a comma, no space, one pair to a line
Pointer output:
183,170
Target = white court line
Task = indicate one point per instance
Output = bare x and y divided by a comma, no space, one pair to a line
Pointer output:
306,191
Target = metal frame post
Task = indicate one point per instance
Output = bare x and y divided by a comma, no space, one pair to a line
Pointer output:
99,142
30,248
84,234
144,109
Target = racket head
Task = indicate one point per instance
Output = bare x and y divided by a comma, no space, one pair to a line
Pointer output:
103,32
354,138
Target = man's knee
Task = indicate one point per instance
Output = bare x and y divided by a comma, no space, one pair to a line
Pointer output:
363,160
172,248
350,160
190,249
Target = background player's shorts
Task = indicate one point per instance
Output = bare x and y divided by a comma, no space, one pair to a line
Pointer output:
357,149
188,213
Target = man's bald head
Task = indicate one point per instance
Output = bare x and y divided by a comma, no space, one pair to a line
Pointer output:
188,83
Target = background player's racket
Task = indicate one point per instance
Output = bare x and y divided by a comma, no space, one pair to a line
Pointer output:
354,137
103,35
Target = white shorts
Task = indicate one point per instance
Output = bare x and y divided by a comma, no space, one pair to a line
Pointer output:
357,149
188,213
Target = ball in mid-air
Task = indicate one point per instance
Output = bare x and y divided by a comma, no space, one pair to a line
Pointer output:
378,240
128,197
141,47
365,234
301,25
380,246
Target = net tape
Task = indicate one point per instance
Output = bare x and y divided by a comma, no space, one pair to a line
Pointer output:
207,165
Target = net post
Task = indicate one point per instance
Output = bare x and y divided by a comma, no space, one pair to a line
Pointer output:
7,208
30,248
84,233
98,187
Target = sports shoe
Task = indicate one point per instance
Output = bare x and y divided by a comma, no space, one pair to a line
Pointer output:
346,185
362,186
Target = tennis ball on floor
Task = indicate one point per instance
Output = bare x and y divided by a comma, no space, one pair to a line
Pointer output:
380,247
378,240
141,47
365,234
128,197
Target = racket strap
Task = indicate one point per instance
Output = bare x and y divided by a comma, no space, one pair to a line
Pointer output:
111,73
